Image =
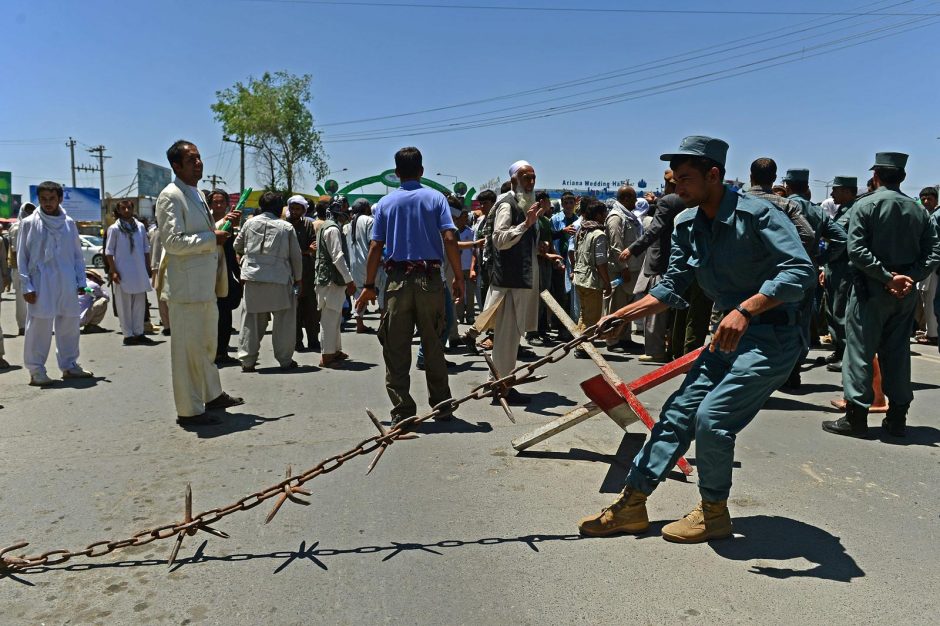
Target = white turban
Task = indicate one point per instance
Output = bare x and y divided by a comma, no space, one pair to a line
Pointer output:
298,199
518,165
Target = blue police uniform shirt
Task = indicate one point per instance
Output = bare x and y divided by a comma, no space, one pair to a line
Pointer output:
410,220
750,247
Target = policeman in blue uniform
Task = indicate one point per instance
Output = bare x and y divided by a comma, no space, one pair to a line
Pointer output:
838,281
893,244
747,257
797,185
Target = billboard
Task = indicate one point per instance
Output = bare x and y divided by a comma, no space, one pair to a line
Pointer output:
82,204
151,178
6,195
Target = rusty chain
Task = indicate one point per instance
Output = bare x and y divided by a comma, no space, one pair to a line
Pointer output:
288,488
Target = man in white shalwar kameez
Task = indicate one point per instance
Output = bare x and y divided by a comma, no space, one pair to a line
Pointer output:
128,252
52,275
271,267
514,281
334,283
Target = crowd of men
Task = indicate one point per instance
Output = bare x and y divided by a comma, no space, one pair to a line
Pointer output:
763,271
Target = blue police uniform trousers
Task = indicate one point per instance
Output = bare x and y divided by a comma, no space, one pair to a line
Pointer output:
880,324
720,395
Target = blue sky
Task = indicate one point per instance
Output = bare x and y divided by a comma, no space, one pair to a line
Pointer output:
134,76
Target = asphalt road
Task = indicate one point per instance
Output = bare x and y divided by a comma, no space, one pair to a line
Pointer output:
456,527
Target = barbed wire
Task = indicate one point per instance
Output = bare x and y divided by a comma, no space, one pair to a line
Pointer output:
291,487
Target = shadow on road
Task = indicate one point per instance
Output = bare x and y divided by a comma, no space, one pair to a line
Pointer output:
773,538
455,425
231,423
915,436
79,383
300,369
808,388
619,462
544,400
313,553
787,403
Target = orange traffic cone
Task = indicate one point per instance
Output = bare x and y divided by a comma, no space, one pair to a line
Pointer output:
880,403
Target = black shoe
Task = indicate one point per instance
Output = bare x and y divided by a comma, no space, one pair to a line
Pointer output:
419,365
539,339
165,332
144,340
853,424
248,369
514,398
842,426
626,346
893,427
833,358
224,401
91,329
524,352
581,354
221,360
203,419
835,366
290,366
299,347
131,341
895,421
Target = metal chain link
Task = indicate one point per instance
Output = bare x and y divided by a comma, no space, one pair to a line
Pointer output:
292,484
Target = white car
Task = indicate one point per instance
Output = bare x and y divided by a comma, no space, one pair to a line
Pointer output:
92,250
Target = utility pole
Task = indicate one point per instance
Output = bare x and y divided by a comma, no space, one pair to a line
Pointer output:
241,145
214,180
99,151
241,166
71,145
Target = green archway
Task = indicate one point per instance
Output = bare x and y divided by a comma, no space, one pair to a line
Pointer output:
389,179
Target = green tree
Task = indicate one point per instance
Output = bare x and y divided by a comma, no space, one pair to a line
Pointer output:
271,113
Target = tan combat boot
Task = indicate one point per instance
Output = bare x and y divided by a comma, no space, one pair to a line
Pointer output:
707,521
626,515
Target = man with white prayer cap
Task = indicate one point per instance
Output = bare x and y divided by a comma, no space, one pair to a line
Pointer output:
514,281
308,316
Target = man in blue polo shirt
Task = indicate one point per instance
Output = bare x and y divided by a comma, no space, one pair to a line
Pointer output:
414,226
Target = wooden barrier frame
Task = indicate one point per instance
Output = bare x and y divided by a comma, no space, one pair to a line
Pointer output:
608,393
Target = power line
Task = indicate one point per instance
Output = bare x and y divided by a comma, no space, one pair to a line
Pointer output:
537,9
735,44
672,86
713,60
526,115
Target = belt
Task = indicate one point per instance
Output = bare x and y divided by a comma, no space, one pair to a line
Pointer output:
409,267
775,317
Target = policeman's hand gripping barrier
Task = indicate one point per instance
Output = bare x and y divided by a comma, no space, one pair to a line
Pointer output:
287,489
